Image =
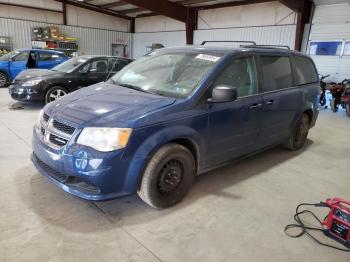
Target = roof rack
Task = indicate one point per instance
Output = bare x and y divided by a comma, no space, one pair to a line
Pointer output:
267,46
249,42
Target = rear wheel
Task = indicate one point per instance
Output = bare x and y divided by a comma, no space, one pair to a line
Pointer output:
322,100
347,109
334,105
55,93
3,79
168,176
298,138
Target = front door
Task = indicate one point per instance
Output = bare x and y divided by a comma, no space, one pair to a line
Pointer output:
234,126
94,72
18,63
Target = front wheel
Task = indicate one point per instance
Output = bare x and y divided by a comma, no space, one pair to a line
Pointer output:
168,176
334,105
347,109
298,138
323,100
55,93
3,79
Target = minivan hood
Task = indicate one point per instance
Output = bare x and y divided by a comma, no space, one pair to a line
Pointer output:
34,73
105,105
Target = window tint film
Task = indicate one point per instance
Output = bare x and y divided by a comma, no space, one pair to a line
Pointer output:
241,74
116,65
305,72
325,48
277,72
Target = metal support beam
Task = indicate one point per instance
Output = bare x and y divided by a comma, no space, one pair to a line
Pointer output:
95,9
64,10
303,17
163,7
114,4
233,3
191,24
295,5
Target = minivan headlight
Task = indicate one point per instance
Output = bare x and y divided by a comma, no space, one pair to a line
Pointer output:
104,139
32,82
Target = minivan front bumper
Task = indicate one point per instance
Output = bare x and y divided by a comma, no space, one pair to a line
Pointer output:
86,174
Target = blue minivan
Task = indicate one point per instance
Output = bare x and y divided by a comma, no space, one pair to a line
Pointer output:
15,62
173,114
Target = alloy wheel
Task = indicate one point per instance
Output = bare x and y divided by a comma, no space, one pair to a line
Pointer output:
56,94
3,79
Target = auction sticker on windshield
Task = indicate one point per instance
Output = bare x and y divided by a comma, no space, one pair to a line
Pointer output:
208,57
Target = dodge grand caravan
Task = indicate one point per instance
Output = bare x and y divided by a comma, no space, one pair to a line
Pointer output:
173,114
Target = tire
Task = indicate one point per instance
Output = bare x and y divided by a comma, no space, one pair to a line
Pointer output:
168,176
347,109
334,105
298,138
54,93
3,80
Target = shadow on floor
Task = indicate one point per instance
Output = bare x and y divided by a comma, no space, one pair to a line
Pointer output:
61,209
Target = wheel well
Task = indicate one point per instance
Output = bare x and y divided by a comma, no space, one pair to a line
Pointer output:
189,145
309,114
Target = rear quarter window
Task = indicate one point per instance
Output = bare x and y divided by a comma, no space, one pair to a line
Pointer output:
276,71
305,72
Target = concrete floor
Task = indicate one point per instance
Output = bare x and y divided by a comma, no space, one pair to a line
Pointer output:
236,213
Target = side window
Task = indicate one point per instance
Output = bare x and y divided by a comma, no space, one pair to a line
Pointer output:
23,56
96,66
347,48
277,72
116,65
241,73
305,71
325,48
47,56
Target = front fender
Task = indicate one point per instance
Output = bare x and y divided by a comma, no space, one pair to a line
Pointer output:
149,146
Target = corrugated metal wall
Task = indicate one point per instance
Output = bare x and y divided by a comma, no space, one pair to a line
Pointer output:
279,35
331,23
91,41
274,35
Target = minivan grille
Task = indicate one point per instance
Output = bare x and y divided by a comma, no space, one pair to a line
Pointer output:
63,127
54,133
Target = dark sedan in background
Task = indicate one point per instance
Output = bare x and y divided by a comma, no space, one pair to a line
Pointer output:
48,85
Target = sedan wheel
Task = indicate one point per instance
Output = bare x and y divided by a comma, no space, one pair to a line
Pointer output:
55,93
3,79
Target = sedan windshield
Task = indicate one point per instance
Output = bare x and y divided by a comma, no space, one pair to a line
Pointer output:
69,65
169,74
8,56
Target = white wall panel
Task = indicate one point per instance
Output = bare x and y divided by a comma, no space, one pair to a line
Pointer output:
278,35
75,16
272,13
168,39
158,24
91,41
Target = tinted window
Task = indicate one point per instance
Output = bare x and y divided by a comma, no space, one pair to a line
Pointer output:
304,70
48,56
116,65
97,66
277,72
240,74
347,48
325,48
23,56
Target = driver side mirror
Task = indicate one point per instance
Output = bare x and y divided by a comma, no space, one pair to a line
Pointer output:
223,94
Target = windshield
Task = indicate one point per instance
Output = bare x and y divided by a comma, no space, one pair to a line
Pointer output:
69,65
169,74
8,56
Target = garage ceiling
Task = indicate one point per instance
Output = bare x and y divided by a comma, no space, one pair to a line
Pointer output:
128,9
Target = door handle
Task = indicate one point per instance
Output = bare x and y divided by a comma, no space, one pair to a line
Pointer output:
268,103
254,106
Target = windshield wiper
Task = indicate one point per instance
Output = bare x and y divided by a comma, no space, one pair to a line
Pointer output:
135,88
